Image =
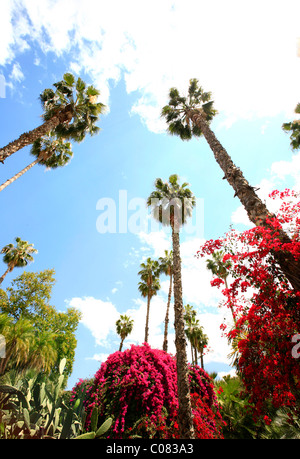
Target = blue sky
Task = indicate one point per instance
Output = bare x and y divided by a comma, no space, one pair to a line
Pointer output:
250,62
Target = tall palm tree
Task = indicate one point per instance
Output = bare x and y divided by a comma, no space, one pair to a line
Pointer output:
191,116
192,325
149,286
50,151
200,343
124,326
17,256
221,269
172,204
71,111
166,267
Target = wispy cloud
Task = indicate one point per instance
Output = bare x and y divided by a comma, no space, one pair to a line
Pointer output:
245,53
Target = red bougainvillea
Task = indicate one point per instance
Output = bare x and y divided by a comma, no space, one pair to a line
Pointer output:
267,309
138,388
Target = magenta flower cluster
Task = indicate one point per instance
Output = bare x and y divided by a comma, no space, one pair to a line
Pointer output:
138,388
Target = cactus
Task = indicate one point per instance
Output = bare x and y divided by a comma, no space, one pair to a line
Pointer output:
101,431
34,410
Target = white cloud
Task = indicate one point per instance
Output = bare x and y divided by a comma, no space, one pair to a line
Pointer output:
98,316
245,53
16,73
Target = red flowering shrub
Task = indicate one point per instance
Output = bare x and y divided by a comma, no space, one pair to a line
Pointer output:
138,388
270,316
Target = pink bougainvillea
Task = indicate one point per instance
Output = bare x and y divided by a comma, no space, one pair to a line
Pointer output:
138,388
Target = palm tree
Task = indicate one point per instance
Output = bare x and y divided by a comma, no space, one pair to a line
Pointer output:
124,326
43,354
19,337
50,151
200,343
172,204
220,268
191,116
192,327
17,256
166,267
26,347
149,286
70,111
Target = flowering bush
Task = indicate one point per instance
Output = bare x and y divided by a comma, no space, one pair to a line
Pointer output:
138,388
269,316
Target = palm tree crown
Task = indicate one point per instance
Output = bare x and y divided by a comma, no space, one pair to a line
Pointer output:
124,326
149,286
17,256
180,109
72,101
171,202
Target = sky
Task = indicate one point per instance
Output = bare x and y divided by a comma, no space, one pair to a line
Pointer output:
88,220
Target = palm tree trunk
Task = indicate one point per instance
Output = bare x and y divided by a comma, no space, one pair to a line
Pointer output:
201,358
147,319
165,343
65,115
121,344
19,174
255,208
185,417
3,275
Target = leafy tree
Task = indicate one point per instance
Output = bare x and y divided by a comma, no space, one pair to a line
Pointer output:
50,151
29,299
149,286
172,204
191,116
124,326
17,256
166,267
70,112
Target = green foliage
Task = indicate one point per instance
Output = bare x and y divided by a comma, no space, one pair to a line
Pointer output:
73,101
180,109
236,410
29,298
170,202
293,128
56,152
35,408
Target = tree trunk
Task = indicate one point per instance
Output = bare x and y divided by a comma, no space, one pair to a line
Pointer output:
165,343
255,208
185,417
19,174
29,137
45,154
3,275
147,319
121,344
201,358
